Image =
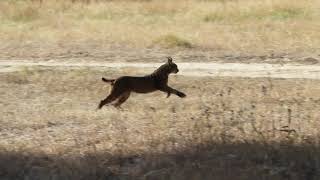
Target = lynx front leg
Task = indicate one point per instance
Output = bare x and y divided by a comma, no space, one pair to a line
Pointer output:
170,90
180,94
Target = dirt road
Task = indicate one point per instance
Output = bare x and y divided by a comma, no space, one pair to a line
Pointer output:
187,69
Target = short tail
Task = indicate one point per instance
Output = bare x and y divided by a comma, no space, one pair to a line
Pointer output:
109,80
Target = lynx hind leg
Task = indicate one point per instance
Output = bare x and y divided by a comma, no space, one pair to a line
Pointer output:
107,100
110,98
122,99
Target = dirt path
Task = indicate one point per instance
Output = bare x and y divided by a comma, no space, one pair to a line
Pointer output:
186,69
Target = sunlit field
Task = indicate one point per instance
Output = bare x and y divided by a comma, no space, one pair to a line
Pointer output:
227,128
257,27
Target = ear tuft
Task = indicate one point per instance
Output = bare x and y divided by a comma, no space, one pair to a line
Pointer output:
169,60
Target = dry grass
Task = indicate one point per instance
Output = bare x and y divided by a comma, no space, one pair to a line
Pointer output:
244,26
234,128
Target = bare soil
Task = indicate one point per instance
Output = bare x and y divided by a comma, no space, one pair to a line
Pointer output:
94,51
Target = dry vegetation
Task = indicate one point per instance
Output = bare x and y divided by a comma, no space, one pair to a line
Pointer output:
233,128
226,128
263,26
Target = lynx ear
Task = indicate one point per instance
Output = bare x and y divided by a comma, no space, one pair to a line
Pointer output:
169,60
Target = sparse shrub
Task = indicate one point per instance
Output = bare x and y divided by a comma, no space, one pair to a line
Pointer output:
171,41
103,15
213,17
286,13
20,77
25,14
277,13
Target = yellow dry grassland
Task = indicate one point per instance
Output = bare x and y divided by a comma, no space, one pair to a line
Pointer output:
226,128
264,26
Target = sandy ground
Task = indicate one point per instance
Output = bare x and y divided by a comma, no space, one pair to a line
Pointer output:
187,69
